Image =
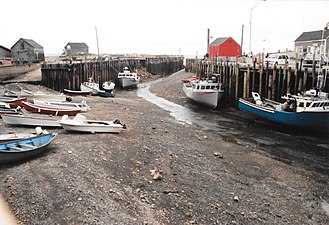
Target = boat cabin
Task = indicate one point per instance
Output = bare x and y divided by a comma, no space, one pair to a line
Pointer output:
204,85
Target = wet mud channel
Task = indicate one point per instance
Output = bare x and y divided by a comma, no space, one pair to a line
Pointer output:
304,148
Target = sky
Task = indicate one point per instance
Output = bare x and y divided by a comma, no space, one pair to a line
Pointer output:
175,27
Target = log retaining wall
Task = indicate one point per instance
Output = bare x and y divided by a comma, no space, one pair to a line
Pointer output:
70,76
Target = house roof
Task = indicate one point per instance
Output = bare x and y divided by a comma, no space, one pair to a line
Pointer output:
30,42
219,41
77,45
313,35
7,49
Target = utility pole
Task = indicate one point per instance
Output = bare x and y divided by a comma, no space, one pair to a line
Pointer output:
97,42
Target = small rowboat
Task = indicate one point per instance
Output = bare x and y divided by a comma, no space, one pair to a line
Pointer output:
18,136
30,120
80,124
106,94
40,95
69,105
13,151
13,102
73,92
50,110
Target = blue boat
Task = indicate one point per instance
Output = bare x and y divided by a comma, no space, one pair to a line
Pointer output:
105,94
13,151
309,111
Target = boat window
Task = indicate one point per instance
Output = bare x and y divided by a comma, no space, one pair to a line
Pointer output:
321,104
308,104
207,87
315,104
217,86
212,87
301,104
202,87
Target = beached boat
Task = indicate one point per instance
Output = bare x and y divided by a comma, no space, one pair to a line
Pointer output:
14,151
65,105
90,86
81,124
128,79
49,97
18,136
13,102
108,85
56,111
30,120
5,108
8,93
105,94
308,111
205,92
74,93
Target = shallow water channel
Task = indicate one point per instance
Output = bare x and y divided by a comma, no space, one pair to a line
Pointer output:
181,114
306,149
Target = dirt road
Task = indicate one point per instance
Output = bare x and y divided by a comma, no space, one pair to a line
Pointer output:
161,172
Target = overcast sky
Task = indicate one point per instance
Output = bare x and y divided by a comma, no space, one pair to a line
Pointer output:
159,26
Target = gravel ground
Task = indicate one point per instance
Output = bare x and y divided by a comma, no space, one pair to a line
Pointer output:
158,172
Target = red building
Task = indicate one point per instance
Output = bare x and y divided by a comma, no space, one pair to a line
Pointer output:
224,47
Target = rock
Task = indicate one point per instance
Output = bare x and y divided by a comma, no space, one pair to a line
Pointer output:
218,154
236,198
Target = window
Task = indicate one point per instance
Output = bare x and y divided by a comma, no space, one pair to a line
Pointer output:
202,87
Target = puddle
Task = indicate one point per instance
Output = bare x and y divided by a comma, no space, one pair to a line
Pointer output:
325,207
181,114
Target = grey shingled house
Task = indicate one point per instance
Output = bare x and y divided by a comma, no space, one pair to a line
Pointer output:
75,48
27,51
312,42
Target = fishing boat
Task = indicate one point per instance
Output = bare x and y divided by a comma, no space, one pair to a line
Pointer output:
69,105
205,92
40,95
56,111
108,85
81,124
30,120
74,92
14,151
106,94
128,79
89,86
307,111
13,102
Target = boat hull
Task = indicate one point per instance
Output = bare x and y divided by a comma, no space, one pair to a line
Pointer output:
208,98
128,82
25,120
74,93
26,148
309,120
50,110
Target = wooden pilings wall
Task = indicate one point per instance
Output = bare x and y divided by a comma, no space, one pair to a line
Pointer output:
70,76
239,80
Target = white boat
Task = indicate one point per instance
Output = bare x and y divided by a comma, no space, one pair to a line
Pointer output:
69,105
128,79
40,95
204,92
90,86
108,85
81,124
18,136
30,120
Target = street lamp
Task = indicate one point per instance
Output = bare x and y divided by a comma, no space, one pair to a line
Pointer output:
251,21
